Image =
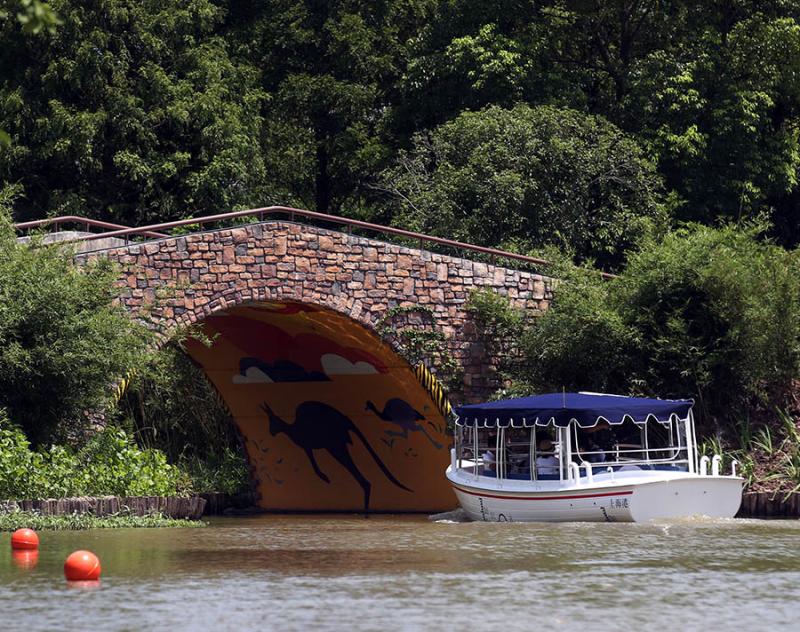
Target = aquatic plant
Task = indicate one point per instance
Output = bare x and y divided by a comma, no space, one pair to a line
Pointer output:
109,464
14,520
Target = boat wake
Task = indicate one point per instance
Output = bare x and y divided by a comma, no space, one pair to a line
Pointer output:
450,517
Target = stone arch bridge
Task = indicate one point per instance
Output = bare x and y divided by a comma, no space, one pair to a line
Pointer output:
332,416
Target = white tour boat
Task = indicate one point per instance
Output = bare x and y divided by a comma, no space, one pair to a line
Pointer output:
586,457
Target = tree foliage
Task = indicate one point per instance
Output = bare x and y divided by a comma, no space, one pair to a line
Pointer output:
331,70
527,178
63,339
131,111
148,111
709,313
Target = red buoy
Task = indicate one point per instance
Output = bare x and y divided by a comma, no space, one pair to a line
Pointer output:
82,566
24,539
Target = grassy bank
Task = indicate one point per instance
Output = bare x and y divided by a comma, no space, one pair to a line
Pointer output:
74,522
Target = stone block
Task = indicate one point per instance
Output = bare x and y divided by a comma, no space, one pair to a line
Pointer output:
240,235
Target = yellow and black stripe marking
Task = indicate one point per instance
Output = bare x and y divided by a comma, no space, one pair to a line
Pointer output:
434,388
123,385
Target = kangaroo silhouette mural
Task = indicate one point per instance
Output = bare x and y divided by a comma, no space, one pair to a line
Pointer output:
405,416
318,426
296,378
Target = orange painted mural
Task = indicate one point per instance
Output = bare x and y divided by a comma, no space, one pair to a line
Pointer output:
333,418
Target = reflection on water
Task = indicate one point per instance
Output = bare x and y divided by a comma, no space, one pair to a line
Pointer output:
390,572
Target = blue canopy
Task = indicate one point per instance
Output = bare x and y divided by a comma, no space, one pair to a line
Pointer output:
587,409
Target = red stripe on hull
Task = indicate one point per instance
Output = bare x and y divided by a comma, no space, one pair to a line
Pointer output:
623,493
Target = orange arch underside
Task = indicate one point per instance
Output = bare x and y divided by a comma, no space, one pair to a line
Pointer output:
339,398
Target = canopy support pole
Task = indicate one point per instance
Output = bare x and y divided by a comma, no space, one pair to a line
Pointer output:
690,444
475,454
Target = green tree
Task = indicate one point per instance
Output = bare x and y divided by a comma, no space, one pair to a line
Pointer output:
131,111
707,89
63,339
331,68
722,117
526,178
707,313
35,17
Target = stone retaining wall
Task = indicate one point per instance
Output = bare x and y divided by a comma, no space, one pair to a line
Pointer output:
769,505
190,508
218,504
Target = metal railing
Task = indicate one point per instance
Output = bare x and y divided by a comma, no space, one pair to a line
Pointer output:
57,222
155,231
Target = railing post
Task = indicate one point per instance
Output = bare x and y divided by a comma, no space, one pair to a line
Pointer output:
574,473
715,464
589,475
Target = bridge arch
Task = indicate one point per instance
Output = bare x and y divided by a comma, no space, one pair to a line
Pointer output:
332,417
287,283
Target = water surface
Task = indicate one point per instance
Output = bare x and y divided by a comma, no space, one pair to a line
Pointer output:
407,573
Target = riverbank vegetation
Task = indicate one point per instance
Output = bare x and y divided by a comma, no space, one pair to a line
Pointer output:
657,140
108,464
64,343
13,520
708,313
171,406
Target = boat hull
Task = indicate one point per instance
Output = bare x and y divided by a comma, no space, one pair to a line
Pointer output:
637,499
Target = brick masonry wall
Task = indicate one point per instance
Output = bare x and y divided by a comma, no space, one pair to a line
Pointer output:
182,280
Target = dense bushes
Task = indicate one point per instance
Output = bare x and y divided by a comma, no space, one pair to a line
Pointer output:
220,469
63,340
109,464
707,313
171,406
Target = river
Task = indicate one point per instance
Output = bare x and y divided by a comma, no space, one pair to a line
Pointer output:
407,573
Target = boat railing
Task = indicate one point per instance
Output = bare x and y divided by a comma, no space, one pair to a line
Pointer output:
676,457
514,464
620,450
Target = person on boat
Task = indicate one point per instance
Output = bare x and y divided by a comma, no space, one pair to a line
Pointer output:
546,461
489,458
590,451
489,463
518,452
